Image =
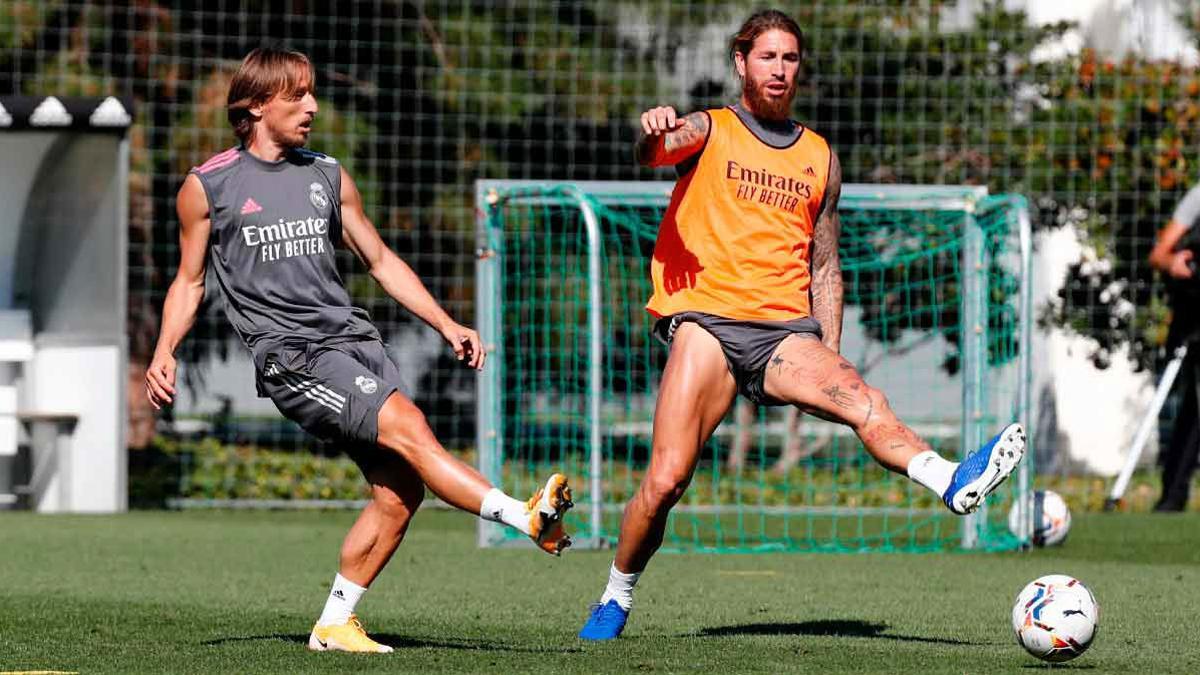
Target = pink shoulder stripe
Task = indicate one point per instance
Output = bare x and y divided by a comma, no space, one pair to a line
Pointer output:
217,161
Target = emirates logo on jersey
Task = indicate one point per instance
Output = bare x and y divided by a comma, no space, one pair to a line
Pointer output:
762,186
316,195
286,238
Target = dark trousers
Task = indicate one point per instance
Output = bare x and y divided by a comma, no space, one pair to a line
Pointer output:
1180,459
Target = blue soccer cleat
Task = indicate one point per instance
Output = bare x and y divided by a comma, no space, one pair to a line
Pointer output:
984,471
606,622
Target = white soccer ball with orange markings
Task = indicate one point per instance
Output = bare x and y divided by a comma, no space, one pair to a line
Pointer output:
1056,618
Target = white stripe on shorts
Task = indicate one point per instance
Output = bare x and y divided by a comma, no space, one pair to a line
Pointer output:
300,385
330,392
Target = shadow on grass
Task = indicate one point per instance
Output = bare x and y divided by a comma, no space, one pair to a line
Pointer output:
401,642
1060,666
825,627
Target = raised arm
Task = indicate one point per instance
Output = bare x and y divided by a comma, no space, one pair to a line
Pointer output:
186,291
668,140
826,264
398,279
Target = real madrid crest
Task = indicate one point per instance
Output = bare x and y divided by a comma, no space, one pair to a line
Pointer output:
366,384
316,195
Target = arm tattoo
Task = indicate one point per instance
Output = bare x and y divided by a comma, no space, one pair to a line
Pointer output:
826,265
675,146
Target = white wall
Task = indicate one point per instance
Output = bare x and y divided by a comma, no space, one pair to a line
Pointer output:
1085,415
77,379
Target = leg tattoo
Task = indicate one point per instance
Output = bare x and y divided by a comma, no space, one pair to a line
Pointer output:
839,397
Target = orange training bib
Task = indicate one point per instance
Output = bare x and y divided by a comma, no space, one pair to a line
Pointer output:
736,238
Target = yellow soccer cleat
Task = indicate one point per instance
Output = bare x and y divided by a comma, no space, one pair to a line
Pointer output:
546,509
346,637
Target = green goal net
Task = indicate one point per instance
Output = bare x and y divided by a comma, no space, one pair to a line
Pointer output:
936,312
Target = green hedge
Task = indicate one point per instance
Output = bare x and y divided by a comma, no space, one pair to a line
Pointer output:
206,469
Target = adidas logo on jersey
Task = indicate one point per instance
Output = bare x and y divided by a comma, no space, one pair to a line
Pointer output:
250,206
808,171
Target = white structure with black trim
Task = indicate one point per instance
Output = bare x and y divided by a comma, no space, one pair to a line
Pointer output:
63,366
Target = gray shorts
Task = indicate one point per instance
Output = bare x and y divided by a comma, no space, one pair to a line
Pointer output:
332,389
748,345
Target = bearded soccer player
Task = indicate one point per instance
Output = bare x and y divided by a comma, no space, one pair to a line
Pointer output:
748,295
264,217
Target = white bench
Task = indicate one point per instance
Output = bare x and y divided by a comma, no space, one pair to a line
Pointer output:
16,349
49,434
50,457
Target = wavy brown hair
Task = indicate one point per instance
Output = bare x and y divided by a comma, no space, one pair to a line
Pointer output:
759,23
264,73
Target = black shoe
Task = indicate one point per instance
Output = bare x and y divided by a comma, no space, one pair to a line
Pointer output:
1169,506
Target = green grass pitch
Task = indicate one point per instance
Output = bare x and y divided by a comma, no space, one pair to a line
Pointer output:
220,592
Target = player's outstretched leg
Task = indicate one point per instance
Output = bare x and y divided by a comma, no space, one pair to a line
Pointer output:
806,373
403,429
695,393
396,493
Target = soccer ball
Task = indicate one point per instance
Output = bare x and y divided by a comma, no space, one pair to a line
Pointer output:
1055,618
1051,518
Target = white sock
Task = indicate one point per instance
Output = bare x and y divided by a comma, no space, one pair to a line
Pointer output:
500,508
344,595
620,587
931,470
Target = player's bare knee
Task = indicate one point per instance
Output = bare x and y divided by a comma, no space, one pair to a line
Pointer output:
663,489
878,407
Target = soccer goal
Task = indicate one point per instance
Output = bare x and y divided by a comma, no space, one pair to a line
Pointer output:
937,316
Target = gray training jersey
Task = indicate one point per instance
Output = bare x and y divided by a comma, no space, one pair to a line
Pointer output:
271,249
1187,212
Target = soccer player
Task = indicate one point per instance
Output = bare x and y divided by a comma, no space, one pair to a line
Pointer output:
748,294
265,217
